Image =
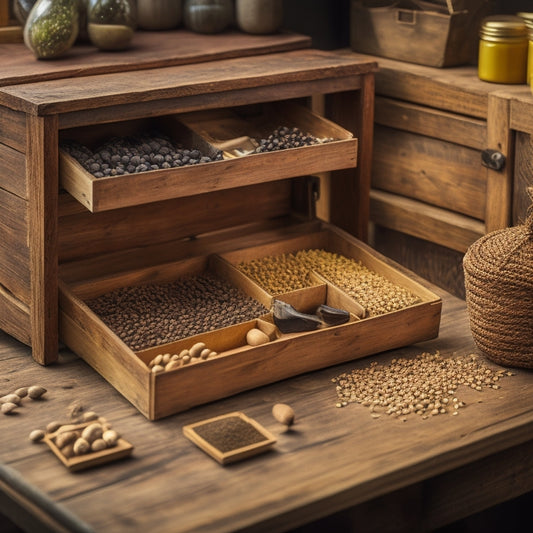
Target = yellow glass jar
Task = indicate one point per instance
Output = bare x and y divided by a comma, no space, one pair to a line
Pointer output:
528,19
503,49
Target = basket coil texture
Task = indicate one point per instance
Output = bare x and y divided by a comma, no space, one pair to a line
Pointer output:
498,271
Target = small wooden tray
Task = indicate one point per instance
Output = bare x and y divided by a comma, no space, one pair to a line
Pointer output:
80,462
219,444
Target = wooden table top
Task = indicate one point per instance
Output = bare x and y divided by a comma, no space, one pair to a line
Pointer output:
332,458
149,49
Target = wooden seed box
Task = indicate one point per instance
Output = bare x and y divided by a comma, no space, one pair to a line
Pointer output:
238,366
440,34
228,130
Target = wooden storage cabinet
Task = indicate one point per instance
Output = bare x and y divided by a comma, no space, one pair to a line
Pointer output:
66,235
428,180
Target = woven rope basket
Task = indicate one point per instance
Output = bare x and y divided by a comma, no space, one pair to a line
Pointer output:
498,270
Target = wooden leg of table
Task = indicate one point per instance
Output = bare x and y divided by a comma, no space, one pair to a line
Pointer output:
42,143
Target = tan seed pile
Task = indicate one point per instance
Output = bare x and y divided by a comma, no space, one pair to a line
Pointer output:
282,273
164,362
73,440
150,315
9,403
425,385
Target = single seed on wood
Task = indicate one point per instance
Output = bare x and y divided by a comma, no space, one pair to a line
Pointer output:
8,407
35,392
256,337
92,432
10,398
68,450
196,349
110,437
37,435
171,365
98,445
81,446
53,426
283,413
66,438
89,415
22,392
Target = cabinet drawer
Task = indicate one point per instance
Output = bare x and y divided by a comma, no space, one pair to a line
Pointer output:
336,149
238,366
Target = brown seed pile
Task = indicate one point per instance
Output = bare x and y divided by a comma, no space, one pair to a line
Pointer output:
150,315
285,137
130,155
286,272
425,385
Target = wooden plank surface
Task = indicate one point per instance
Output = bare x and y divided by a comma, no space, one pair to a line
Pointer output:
439,173
330,460
150,49
92,92
456,89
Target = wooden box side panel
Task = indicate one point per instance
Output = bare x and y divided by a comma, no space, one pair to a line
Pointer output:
84,333
81,233
14,249
439,173
224,376
522,176
13,129
14,317
13,171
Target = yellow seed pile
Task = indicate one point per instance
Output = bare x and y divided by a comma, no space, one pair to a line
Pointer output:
286,272
425,385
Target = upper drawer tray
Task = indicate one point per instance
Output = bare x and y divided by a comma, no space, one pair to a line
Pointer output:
335,148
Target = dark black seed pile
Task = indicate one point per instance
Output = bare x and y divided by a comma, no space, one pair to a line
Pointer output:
150,315
285,137
130,155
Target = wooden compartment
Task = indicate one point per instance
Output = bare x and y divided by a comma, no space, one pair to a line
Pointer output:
239,367
196,129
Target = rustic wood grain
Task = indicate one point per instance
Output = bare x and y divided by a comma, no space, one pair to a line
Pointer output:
13,129
80,235
42,175
13,171
499,182
438,173
523,172
14,256
69,95
433,224
149,50
331,460
438,264
431,122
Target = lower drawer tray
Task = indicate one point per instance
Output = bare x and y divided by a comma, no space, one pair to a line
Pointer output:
235,365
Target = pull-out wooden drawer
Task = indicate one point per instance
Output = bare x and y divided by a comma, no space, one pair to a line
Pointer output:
238,366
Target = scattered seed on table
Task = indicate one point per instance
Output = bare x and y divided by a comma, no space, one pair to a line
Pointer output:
425,385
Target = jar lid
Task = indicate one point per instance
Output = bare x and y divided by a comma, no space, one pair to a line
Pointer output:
528,19
503,26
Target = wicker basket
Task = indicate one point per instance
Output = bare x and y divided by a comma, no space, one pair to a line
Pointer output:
498,272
